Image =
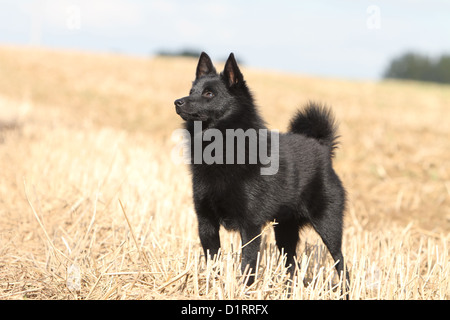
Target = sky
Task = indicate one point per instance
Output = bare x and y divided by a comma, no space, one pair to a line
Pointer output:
337,38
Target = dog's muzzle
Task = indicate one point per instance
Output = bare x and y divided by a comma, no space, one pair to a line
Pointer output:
179,103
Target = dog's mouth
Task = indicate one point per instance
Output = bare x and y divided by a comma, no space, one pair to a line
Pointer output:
191,116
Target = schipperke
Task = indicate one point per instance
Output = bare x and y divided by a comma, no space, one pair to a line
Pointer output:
300,188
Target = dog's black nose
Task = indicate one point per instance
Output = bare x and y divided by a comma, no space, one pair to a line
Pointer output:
179,102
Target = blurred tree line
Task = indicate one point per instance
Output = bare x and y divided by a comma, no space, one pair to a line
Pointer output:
191,53
420,67
180,53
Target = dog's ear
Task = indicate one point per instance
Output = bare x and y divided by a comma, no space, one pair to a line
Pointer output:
204,66
231,72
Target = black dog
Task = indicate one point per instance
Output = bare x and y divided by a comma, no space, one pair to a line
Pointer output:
302,188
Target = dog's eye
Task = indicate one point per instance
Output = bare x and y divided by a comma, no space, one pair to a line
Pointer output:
208,94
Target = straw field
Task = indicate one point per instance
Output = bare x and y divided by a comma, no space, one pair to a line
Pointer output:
93,207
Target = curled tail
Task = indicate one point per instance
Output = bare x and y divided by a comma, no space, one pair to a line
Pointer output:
316,121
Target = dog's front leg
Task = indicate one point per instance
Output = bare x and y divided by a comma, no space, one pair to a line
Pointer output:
251,242
208,231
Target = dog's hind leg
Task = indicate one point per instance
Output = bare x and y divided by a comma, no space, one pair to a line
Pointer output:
328,224
287,236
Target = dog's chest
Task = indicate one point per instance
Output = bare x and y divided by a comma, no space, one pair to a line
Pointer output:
228,202
225,197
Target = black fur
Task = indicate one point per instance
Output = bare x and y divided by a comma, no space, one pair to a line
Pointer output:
316,122
305,190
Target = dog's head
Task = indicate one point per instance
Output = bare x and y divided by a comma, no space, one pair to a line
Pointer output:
212,97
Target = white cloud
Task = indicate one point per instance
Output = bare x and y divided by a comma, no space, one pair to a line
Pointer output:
162,6
188,29
216,9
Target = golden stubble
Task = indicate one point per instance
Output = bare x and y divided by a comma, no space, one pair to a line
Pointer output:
92,207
